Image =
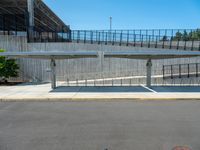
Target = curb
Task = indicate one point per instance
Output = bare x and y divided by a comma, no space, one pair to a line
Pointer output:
95,99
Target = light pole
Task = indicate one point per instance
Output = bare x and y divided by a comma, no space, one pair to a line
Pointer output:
110,24
110,28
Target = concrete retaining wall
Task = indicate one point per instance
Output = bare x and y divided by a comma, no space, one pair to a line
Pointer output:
90,68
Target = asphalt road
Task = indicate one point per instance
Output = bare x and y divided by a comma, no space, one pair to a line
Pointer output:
147,125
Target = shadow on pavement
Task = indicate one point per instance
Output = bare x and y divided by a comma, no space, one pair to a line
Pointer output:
181,89
100,89
127,89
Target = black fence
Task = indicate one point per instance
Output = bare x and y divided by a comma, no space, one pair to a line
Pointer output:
184,39
13,24
141,38
181,70
57,35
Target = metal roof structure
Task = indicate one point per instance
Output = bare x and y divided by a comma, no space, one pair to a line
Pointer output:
45,19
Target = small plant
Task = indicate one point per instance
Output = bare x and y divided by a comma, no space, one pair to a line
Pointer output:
8,68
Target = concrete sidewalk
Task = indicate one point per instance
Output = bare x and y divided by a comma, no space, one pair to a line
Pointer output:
43,92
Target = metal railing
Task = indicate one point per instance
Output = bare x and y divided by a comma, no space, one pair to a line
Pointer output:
181,70
183,39
127,81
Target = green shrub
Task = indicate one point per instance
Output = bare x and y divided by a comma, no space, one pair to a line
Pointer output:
8,68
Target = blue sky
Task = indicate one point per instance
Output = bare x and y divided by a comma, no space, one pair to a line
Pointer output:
128,14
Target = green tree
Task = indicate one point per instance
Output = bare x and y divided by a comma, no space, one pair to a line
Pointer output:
178,36
8,68
185,36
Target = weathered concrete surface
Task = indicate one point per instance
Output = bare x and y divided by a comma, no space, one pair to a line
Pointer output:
43,92
99,125
89,68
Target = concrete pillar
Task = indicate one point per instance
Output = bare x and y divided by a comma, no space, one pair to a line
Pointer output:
30,6
53,73
149,66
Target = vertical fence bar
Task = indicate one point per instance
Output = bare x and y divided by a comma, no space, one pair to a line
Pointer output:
156,45
178,44
113,40
120,43
199,45
78,36
149,43
180,71
192,48
171,39
62,33
96,36
73,35
135,41
171,71
127,42
84,37
91,37
142,41
15,25
146,35
163,45
106,39
185,44
188,70
99,42
163,72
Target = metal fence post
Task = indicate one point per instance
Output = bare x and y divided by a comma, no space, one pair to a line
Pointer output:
106,39
185,45
171,71
188,70
179,71
127,42
99,42
91,36
84,36
199,45
134,40
192,48
170,46
163,72
120,39
78,36
142,41
149,43
156,45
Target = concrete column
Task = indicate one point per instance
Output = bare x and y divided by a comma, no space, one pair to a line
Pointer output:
30,4
53,73
149,66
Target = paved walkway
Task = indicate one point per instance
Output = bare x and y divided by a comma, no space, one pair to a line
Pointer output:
43,92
